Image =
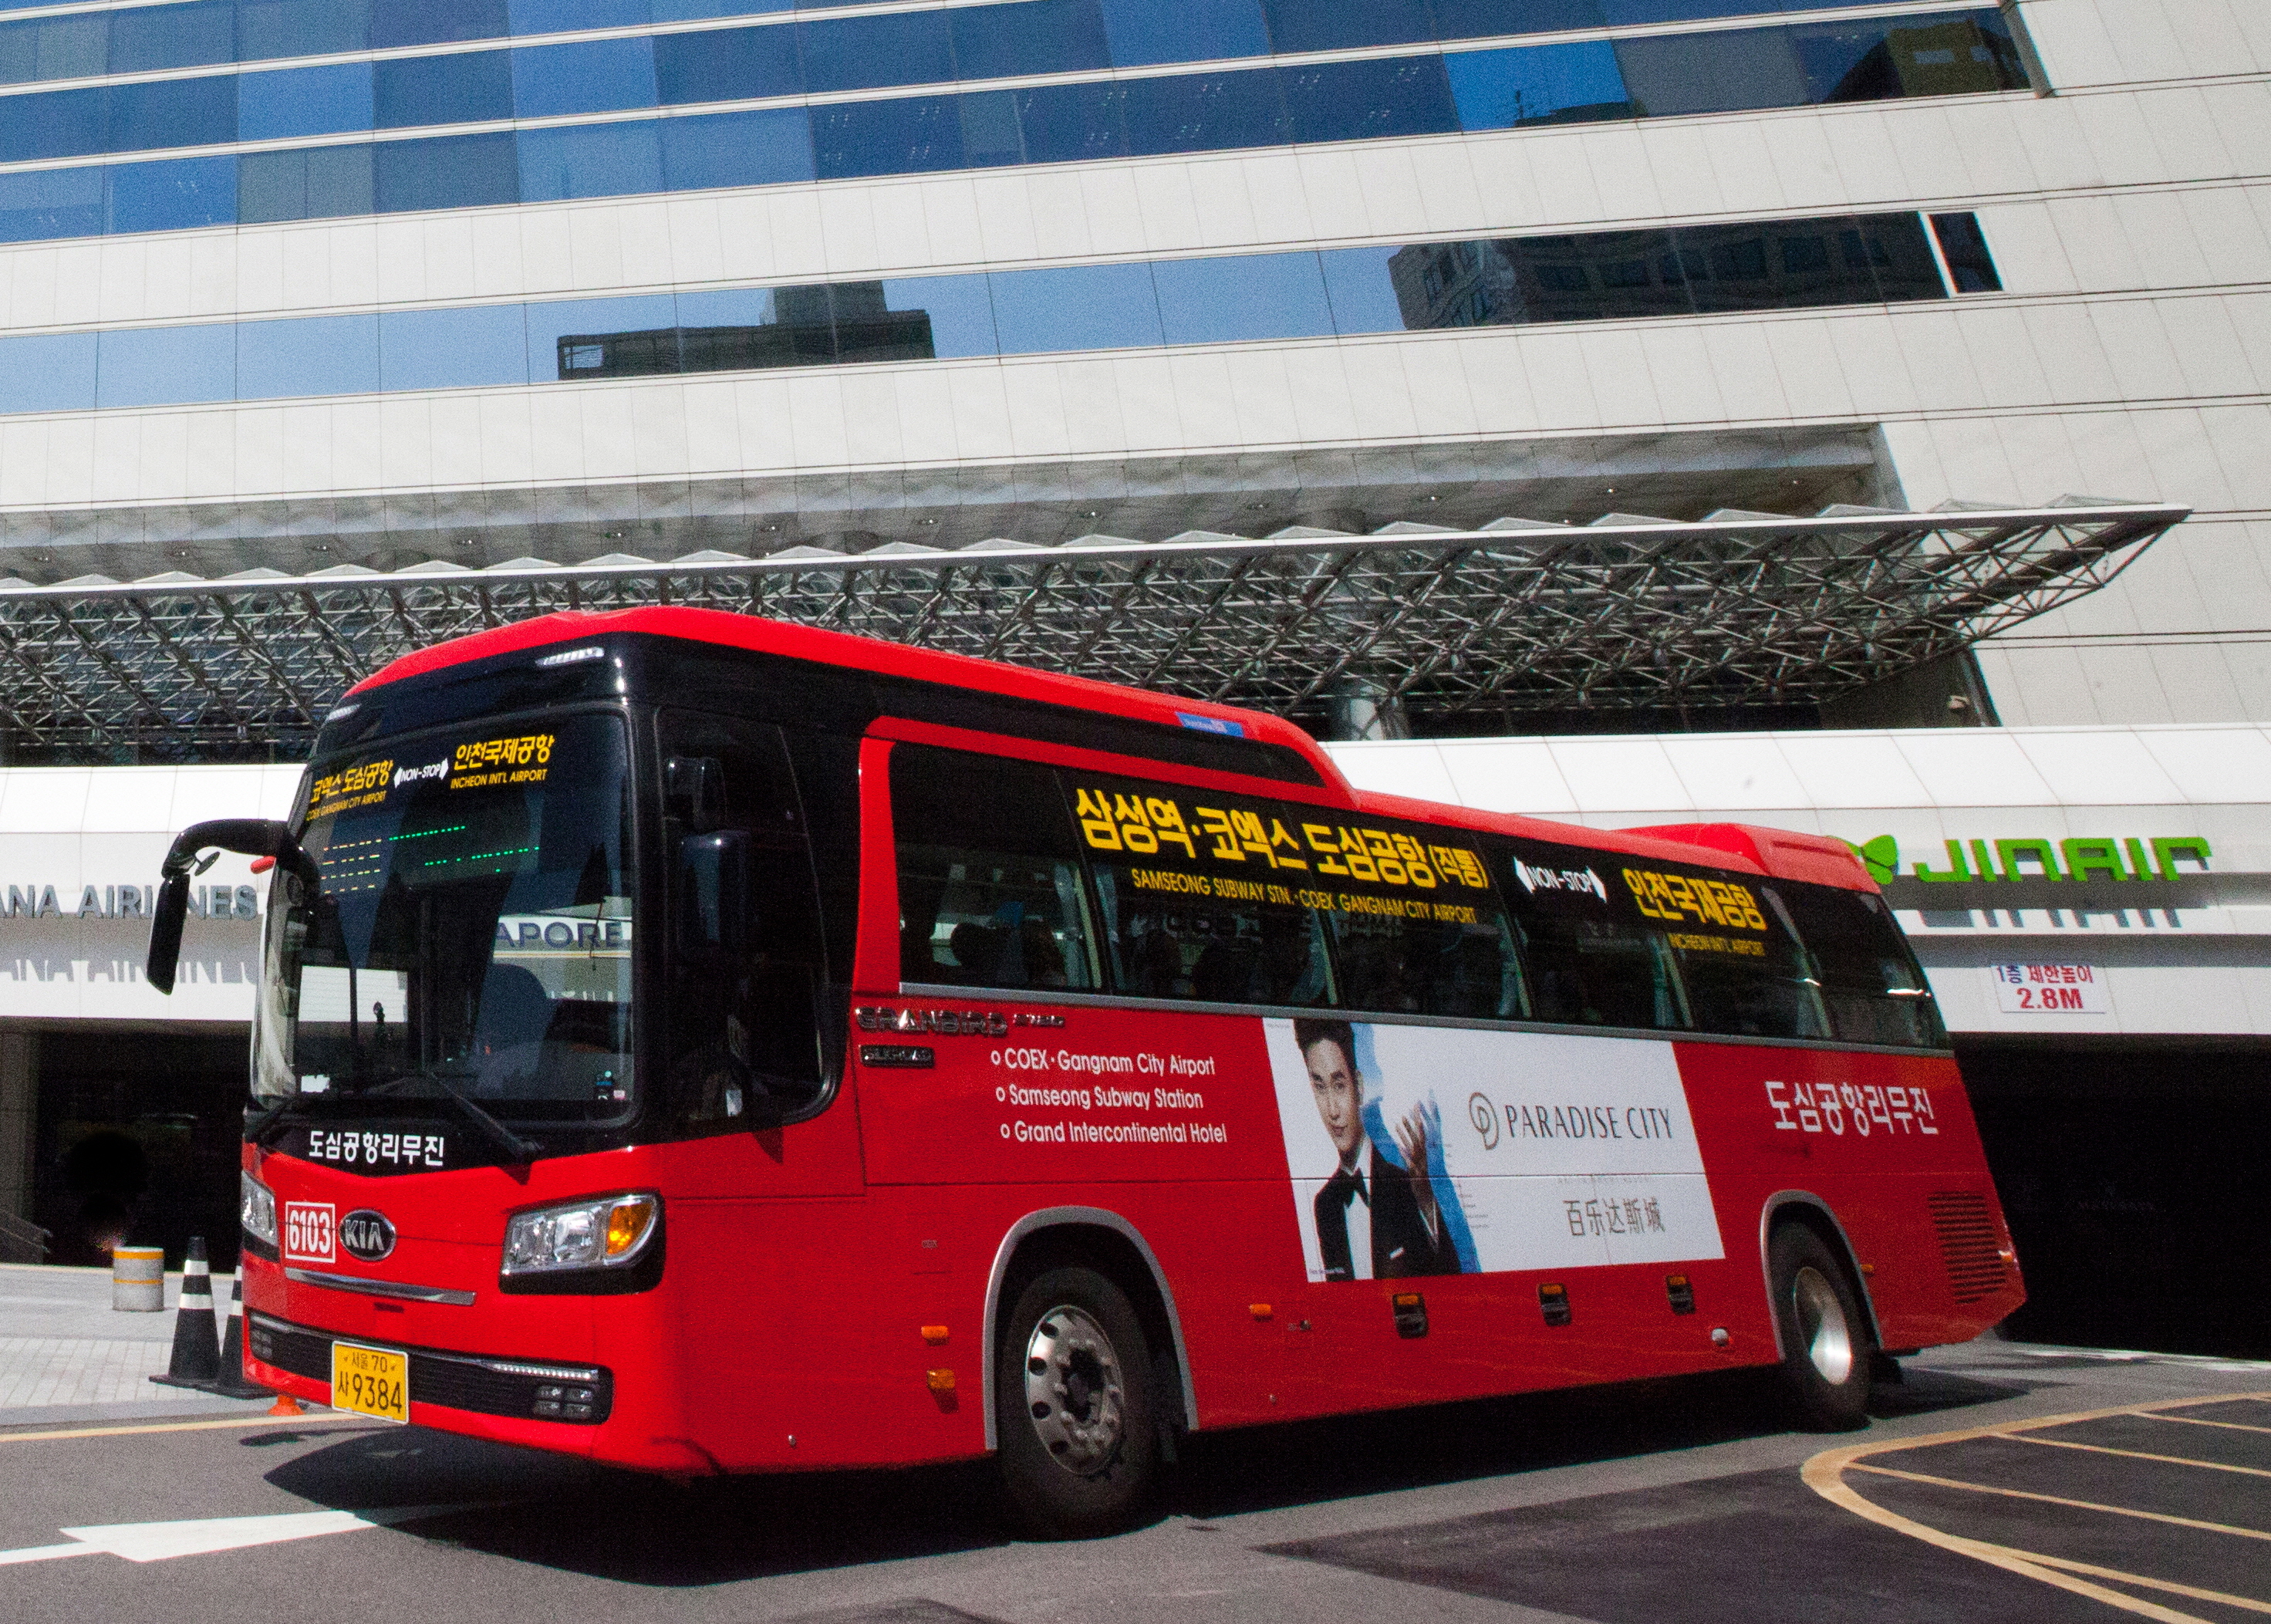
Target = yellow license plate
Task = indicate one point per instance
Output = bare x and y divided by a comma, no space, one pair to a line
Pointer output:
374,1381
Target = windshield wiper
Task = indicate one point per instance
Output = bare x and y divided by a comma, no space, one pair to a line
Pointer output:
256,1129
506,1142
263,1127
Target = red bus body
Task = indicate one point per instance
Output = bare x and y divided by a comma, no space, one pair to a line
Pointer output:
831,1285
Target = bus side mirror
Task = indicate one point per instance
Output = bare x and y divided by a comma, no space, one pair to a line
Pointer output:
713,895
250,837
166,919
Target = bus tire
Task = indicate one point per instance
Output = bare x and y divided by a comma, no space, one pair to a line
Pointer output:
1076,1413
1826,1345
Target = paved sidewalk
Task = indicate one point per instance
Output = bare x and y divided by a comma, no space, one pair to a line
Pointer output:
67,1355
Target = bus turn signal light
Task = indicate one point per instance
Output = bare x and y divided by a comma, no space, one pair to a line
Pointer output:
1553,1302
1259,1310
935,1335
940,1381
627,1226
1682,1294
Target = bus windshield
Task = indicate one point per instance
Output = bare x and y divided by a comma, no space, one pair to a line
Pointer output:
472,931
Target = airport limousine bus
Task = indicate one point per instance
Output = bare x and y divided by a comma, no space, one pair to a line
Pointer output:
706,1045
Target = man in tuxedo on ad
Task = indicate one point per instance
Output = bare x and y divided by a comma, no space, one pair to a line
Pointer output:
1374,1221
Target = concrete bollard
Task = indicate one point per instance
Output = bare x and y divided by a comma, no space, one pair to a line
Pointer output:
138,1279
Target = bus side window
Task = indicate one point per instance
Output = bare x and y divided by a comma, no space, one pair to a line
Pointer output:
1599,972
1212,949
1463,966
989,877
1589,956
1870,982
744,1023
1206,895
1744,980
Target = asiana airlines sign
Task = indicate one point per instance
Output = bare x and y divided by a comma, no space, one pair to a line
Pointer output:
37,901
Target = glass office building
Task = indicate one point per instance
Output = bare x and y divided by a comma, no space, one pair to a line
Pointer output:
294,285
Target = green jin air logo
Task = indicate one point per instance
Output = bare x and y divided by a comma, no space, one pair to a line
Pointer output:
2090,858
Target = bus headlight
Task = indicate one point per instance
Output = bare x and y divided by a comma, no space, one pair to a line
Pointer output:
605,1233
255,1209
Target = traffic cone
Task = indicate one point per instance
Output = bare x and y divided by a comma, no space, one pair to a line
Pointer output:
196,1359
231,1382
286,1405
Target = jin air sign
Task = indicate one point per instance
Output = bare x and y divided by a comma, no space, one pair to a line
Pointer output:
2086,857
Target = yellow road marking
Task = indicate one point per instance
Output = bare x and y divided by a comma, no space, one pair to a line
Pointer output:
2190,1592
2138,1455
2198,1420
2004,1428
1824,1474
178,1426
2054,1500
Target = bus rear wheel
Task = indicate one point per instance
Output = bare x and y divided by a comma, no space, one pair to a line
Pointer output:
1075,1413
1826,1347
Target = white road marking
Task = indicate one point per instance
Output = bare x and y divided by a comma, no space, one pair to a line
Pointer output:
47,1554
159,1542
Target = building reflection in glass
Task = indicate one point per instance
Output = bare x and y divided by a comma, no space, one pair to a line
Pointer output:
817,326
1609,275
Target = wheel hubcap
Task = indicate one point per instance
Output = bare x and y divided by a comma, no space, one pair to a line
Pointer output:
1821,1326
1073,1390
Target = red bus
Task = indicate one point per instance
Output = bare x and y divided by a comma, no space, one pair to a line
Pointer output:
707,1045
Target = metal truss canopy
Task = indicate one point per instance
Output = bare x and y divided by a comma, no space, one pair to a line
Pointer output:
1517,616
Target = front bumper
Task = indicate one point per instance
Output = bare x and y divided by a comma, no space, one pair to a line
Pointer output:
480,1384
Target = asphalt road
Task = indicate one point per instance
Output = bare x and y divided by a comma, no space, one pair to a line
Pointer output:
1972,1495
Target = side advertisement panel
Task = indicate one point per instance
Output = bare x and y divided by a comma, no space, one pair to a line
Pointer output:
1428,1152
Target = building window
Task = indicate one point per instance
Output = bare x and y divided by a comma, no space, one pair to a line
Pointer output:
1964,247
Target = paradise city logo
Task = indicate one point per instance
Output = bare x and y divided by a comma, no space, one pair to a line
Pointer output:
2092,858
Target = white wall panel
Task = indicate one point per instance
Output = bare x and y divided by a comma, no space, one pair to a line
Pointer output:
1744,773
2220,765
1395,201
1810,368
1410,768
1743,176
1089,402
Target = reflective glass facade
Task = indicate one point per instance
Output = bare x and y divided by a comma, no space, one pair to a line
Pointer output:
978,42
1780,264
1366,99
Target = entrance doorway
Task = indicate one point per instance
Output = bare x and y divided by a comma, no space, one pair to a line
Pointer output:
136,1140
2132,1171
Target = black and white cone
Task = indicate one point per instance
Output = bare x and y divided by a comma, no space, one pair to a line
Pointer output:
196,1360
232,1383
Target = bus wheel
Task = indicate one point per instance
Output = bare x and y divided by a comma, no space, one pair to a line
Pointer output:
1074,1407
1825,1340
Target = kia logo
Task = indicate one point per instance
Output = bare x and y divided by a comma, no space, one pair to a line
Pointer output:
366,1235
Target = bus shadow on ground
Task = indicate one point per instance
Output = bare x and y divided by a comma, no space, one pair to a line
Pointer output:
1314,1461
558,1512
